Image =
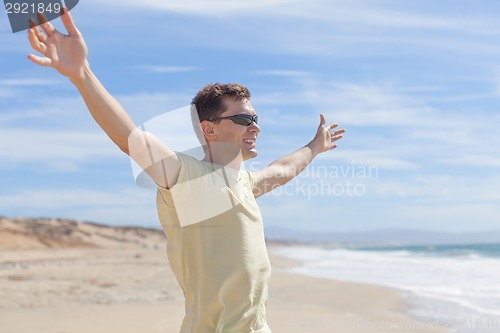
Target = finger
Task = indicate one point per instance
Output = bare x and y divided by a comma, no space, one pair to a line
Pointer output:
335,138
42,61
333,146
32,23
332,126
337,132
39,34
35,43
46,25
322,120
68,23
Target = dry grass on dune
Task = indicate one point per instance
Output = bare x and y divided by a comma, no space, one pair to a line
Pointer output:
46,233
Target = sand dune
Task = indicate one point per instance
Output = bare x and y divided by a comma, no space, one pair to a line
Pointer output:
42,233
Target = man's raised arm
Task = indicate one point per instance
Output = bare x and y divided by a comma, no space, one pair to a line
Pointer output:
68,55
286,168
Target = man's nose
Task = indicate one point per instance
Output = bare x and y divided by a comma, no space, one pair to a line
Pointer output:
253,127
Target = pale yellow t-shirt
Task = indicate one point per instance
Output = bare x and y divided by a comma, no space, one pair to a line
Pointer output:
216,248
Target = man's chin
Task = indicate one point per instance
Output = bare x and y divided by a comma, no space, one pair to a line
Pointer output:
250,154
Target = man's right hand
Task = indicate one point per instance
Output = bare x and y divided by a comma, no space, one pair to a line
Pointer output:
66,53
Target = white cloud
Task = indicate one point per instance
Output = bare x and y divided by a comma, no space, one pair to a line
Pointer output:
463,216
283,72
372,104
143,106
474,160
433,189
62,112
403,127
118,206
71,112
54,197
375,104
166,69
496,80
29,82
358,13
214,8
283,210
379,158
66,138
316,28
7,92
57,150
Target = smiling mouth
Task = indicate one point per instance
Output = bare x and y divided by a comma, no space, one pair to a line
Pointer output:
250,142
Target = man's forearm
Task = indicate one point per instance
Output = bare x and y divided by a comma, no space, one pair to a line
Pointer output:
105,109
286,168
293,164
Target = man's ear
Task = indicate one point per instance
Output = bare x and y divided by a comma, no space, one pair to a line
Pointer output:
208,130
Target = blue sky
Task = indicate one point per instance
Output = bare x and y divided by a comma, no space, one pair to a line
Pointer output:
415,84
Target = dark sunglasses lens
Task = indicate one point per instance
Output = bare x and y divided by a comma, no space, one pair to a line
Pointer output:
243,120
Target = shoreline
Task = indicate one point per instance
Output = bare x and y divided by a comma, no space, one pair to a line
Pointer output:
337,306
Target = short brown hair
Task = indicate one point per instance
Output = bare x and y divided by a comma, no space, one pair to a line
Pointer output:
209,101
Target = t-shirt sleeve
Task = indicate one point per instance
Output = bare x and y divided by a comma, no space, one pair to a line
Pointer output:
168,193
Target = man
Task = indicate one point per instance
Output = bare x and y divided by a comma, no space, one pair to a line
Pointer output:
215,239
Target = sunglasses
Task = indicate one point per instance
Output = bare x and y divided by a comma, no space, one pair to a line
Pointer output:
240,119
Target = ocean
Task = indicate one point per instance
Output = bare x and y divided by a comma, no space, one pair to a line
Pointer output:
456,286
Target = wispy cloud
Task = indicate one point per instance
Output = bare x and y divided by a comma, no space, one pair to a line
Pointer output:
65,139
463,216
404,128
143,106
496,81
55,150
7,92
284,209
283,72
214,8
166,69
29,82
384,159
133,206
359,13
70,112
370,104
475,160
320,29
338,27
434,188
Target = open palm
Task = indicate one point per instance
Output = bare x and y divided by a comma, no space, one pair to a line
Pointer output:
326,135
66,53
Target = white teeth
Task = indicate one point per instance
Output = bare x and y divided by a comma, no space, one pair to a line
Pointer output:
249,141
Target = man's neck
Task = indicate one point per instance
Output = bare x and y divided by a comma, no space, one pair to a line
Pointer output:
223,158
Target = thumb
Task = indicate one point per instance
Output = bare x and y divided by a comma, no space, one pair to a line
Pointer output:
322,120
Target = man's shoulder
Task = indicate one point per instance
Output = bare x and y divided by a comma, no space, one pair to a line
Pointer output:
185,156
191,167
188,160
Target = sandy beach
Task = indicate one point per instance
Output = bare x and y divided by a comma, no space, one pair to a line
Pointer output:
130,288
